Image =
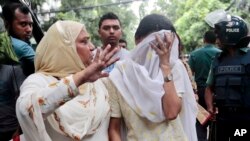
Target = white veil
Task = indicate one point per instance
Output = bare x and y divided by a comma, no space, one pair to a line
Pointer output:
139,79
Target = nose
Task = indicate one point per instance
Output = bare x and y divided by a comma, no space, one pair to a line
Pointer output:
91,47
29,28
111,30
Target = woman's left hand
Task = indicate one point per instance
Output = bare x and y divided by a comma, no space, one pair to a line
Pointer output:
95,70
100,62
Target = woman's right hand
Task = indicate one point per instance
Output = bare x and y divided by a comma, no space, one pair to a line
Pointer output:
163,48
95,70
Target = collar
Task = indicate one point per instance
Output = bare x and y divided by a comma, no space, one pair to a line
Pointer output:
209,45
244,49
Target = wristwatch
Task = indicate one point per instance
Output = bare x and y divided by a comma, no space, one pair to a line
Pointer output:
168,78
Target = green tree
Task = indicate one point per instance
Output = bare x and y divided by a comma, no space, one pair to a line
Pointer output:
89,13
188,18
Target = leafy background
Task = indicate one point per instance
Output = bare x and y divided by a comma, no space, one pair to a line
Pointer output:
187,15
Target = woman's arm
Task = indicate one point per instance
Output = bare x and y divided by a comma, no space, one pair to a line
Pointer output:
49,94
114,129
52,95
170,101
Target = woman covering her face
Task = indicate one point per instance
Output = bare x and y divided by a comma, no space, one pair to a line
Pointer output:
153,93
58,102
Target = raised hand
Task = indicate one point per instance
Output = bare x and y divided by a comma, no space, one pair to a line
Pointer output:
95,70
163,48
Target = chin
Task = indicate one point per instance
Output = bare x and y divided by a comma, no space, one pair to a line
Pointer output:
113,44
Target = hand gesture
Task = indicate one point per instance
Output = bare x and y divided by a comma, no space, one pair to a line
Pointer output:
163,48
95,70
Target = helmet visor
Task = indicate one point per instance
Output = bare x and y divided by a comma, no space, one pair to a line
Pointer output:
216,16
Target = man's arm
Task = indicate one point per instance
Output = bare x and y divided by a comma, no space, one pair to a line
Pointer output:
209,92
114,129
209,99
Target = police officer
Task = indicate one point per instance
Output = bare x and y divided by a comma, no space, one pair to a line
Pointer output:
228,83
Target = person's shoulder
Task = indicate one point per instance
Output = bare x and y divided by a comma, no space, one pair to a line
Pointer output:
211,48
217,55
245,49
37,79
15,40
214,47
18,43
197,50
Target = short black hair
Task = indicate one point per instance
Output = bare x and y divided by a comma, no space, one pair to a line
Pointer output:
122,41
153,23
9,9
210,37
109,15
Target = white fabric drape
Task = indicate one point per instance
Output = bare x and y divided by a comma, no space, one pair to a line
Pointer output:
80,121
139,79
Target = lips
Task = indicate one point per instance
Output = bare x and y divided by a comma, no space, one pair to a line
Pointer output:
27,36
112,38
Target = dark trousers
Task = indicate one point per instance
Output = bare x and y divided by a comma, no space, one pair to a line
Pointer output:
201,129
201,94
6,136
232,127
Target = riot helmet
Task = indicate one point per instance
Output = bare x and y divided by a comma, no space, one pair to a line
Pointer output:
229,29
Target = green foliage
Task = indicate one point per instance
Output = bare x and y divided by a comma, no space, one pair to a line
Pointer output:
188,18
90,16
60,16
7,53
191,23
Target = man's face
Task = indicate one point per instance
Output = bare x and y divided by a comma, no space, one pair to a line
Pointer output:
110,32
22,26
123,45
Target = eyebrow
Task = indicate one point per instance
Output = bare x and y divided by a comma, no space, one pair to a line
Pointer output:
86,37
113,25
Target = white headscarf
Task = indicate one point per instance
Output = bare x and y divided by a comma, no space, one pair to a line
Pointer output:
139,79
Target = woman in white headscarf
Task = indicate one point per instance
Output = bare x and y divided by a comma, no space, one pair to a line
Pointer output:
58,102
153,88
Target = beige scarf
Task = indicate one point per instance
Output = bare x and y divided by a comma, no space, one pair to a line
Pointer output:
57,56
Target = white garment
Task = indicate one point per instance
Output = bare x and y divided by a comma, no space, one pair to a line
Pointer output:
73,116
189,108
122,53
139,79
142,69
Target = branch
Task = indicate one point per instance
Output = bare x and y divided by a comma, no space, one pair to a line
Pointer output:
88,7
230,6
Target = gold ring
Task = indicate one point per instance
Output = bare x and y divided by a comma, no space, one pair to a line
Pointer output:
165,45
